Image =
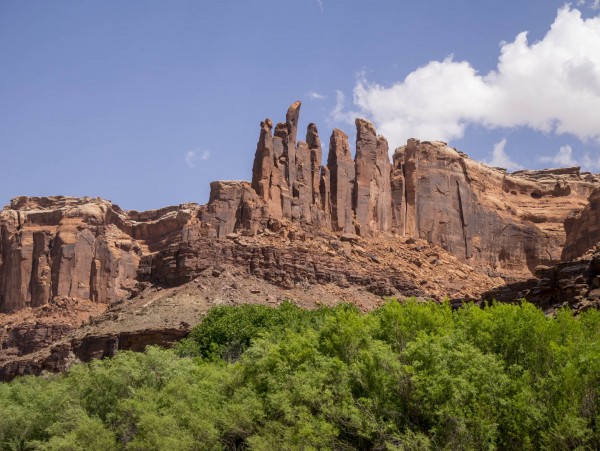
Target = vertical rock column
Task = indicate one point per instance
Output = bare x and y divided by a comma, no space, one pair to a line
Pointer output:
264,160
268,172
279,182
341,175
320,211
314,144
383,175
411,166
39,286
324,191
15,267
291,128
397,183
286,174
372,193
300,176
302,192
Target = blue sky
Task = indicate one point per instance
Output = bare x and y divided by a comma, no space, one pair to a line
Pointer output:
145,102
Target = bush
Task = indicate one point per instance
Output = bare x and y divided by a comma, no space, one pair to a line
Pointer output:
408,376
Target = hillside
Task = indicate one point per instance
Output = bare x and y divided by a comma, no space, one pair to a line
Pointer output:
81,278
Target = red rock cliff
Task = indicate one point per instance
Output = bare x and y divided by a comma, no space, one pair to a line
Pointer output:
505,224
583,229
62,247
500,223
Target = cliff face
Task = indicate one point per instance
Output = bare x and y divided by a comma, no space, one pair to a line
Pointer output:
61,247
507,223
183,280
573,284
583,229
503,224
430,223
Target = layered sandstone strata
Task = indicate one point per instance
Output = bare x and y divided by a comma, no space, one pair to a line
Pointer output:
502,224
573,284
181,282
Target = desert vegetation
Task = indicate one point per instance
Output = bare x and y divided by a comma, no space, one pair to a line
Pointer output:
408,376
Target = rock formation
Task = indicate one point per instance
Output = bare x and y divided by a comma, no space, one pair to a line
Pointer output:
372,190
62,247
503,223
583,229
573,284
430,223
341,178
507,223
316,155
183,280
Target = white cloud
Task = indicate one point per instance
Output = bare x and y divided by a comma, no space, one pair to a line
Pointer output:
192,156
591,163
501,160
562,158
552,86
594,4
315,95
339,112
320,3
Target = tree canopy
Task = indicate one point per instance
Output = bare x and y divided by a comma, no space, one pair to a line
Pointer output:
408,376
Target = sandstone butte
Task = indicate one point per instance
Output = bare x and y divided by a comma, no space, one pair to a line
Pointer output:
80,278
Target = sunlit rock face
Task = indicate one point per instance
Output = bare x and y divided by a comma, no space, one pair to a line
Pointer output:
63,247
505,223
583,229
349,226
500,223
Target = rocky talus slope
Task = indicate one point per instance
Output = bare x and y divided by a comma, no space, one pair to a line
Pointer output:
81,278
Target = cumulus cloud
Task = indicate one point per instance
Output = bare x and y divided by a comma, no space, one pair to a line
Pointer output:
552,86
501,159
339,112
192,156
315,95
562,158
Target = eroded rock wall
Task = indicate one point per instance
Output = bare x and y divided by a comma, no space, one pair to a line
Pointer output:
85,248
503,224
431,223
341,178
372,201
583,229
